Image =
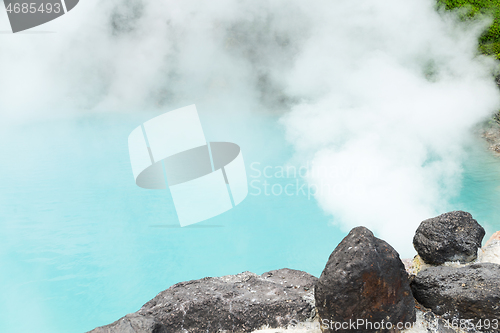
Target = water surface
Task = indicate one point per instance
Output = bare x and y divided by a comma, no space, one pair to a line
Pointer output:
81,245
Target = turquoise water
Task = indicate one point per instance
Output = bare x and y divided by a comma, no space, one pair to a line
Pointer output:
81,245
480,191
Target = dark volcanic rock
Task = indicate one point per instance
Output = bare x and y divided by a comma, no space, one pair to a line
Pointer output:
448,237
364,279
133,323
435,324
470,292
235,303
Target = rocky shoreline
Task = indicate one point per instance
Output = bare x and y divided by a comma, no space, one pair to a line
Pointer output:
452,285
491,133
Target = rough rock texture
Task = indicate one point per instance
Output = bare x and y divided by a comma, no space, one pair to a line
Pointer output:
491,130
490,252
133,323
429,322
494,237
364,278
491,133
453,236
234,303
469,292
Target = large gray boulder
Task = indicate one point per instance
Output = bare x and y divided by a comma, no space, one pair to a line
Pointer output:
469,292
133,323
364,279
453,236
233,303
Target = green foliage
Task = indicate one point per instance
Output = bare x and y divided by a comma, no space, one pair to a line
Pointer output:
496,118
489,42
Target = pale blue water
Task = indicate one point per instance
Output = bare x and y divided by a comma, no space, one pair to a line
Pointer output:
81,245
480,192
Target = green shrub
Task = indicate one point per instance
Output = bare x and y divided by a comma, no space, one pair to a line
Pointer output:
489,42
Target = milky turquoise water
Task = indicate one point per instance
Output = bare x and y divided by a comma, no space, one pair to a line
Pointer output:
81,245
480,191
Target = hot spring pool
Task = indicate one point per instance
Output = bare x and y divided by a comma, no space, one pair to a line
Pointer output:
82,245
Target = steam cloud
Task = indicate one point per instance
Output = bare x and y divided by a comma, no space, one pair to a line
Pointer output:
382,94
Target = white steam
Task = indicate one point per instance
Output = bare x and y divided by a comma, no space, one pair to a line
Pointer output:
381,94
399,91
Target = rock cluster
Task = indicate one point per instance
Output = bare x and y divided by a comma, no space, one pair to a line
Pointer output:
469,292
364,281
491,133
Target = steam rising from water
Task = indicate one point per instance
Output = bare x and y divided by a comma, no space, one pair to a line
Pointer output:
381,94
398,90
